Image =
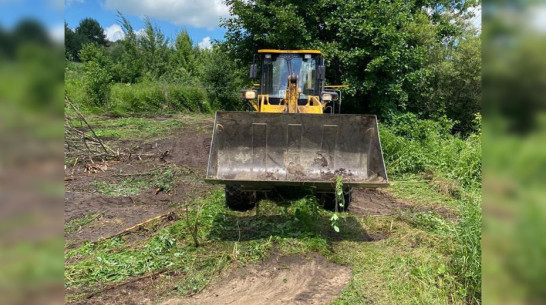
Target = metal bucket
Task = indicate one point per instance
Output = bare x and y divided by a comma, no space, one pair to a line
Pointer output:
262,150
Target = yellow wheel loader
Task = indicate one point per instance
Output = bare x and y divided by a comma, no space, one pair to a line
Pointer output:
294,137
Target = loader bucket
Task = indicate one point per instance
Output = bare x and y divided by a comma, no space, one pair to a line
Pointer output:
262,150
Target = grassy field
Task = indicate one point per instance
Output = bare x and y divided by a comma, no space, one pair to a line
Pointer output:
426,254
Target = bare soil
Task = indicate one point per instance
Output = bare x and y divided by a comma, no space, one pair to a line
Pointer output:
279,280
375,202
186,149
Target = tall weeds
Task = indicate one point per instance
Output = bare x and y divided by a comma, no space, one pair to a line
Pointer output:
413,146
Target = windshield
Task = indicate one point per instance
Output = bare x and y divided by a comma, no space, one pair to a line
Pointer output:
277,70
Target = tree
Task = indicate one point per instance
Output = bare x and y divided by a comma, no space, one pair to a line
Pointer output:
98,73
222,79
72,44
91,32
388,52
183,61
129,66
155,50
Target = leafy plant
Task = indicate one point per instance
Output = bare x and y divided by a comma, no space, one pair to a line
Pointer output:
98,76
340,202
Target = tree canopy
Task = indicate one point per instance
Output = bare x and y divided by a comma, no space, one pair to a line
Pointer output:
88,31
394,55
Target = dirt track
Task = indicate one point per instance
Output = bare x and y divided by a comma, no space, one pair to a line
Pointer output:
309,280
279,280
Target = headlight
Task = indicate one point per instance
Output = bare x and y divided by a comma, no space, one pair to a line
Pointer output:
327,97
248,94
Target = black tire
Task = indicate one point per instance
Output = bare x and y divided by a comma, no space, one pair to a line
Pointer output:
328,200
239,200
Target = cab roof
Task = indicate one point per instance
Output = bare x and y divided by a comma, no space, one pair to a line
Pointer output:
289,51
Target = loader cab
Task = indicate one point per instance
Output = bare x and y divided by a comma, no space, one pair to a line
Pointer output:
276,67
289,81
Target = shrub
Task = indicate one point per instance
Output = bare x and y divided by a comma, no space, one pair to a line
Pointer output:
411,145
97,76
155,97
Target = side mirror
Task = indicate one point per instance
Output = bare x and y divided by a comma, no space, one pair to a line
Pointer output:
253,71
321,72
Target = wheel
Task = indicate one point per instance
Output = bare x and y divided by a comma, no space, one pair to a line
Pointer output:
328,200
239,200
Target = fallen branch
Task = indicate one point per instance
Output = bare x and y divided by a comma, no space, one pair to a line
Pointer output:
88,125
170,215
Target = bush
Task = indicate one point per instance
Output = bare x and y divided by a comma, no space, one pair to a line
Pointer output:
411,145
154,97
97,76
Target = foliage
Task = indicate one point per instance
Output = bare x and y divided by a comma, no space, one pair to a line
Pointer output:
129,64
223,80
154,51
76,224
416,247
88,31
157,97
98,75
394,55
126,187
91,31
151,75
184,59
413,146
159,180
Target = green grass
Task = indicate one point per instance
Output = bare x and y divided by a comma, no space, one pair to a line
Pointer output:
124,188
133,128
421,192
136,128
408,264
76,224
162,179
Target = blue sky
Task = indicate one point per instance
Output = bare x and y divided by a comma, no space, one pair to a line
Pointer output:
199,17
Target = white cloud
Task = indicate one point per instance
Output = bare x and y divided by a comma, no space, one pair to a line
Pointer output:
476,21
114,32
140,32
205,43
56,33
197,13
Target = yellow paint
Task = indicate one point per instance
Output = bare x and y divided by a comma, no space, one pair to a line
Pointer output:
254,105
268,108
289,51
313,105
292,97
336,86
